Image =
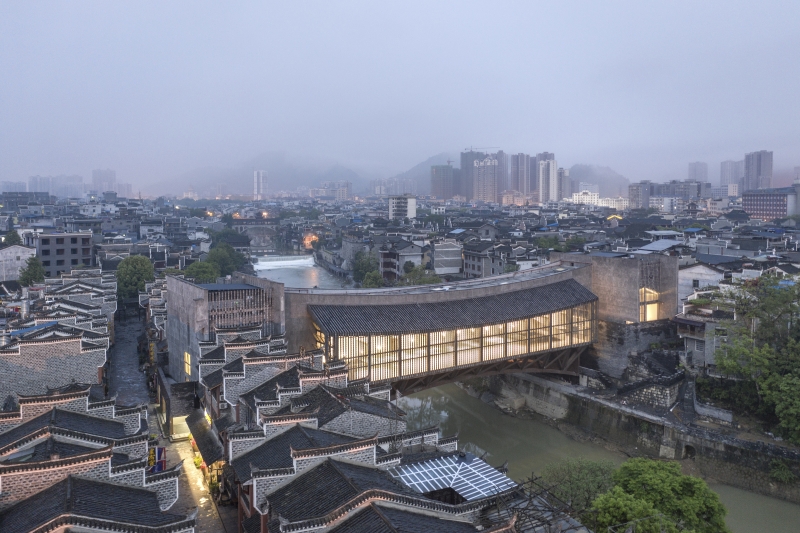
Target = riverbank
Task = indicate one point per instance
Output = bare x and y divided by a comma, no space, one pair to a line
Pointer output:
587,418
532,442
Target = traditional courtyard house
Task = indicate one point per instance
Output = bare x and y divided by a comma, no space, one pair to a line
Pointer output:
52,436
86,286
48,356
93,506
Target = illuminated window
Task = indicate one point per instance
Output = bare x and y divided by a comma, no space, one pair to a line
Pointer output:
187,365
648,305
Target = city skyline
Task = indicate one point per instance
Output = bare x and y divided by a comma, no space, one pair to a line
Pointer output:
632,95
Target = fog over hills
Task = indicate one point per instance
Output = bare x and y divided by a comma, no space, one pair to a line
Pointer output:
287,172
611,183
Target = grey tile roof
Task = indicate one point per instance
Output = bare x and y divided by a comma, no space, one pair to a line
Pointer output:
384,319
327,487
79,422
268,390
77,497
330,402
276,452
380,519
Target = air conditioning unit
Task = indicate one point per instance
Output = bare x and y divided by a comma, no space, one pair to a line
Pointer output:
223,405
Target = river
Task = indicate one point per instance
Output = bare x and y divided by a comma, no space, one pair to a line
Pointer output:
296,271
527,445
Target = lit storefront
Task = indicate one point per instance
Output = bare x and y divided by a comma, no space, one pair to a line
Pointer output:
388,342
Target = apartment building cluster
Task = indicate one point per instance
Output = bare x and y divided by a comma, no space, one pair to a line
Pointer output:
508,179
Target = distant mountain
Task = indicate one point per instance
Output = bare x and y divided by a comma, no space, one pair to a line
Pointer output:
421,173
611,184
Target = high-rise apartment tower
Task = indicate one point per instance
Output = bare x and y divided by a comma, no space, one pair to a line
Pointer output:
259,185
757,170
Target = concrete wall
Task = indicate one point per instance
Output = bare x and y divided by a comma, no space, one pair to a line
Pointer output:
616,282
616,342
187,325
275,293
300,329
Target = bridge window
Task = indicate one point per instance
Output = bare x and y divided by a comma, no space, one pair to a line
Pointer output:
517,337
355,350
582,324
540,333
415,353
443,349
561,328
385,357
388,357
494,341
469,346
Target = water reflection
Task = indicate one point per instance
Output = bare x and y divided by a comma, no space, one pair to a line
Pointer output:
529,446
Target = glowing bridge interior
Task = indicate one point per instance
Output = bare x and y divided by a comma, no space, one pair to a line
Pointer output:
387,343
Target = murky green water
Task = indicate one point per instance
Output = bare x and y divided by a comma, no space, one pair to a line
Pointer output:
529,446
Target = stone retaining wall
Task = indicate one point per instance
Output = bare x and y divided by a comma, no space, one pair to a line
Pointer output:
729,460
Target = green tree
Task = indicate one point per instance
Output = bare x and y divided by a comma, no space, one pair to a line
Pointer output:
226,259
170,271
511,267
547,242
579,481
408,266
419,275
616,508
686,500
11,238
199,212
784,393
132,273
202,272
33,272
372,280
363,263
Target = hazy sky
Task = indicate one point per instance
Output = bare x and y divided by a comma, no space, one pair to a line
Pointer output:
155,89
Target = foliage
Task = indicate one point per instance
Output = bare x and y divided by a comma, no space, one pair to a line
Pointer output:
765,351
511,268
579,481
132,273
419,275
617,507
226,259
199,212
203,272
780,472
547,242
686,500
699,301
740,396
373,280
408,266
32,272
11,238
171,272
198,461
573,243
362,265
